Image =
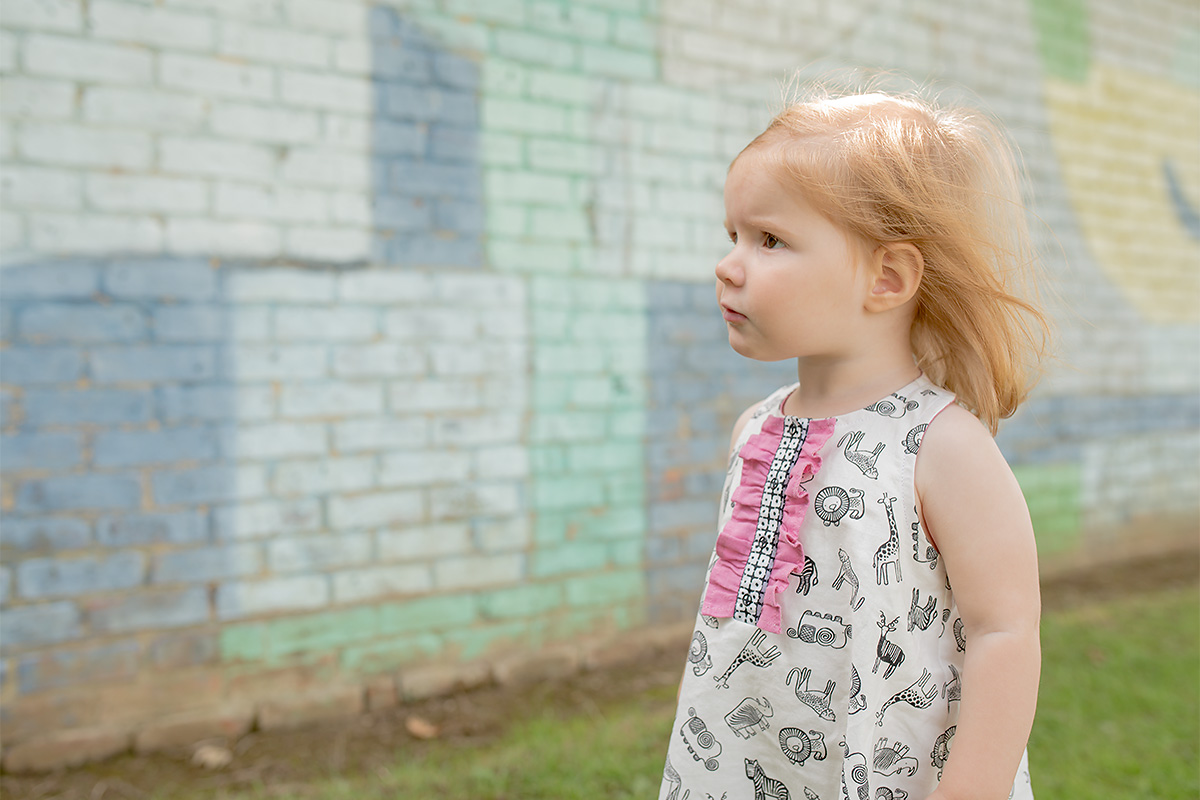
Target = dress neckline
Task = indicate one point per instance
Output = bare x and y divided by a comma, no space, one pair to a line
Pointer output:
906,391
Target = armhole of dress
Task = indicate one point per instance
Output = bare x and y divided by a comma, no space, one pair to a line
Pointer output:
916,494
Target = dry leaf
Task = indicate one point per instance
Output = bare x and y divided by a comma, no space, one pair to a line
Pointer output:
420,728
212,756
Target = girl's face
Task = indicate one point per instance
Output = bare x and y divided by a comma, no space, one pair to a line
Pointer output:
794,284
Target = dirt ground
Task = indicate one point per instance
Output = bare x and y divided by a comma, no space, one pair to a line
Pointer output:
286,761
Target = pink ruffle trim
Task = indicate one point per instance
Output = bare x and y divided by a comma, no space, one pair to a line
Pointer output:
735,541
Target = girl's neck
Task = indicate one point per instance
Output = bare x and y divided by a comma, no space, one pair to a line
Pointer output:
829,389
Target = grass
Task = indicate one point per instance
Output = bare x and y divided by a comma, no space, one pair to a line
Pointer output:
1118,717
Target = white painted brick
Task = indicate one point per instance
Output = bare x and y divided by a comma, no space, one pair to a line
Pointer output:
248,598
352,208
357,436
510,461
324,476
339,324
424,468
274,45
386,287
326,92
280,285
24,187
264,519
375,510
8,139
322,166
354,56
139,108
50,15
478,571
275,440
265,123
92,233
12,232
476,431
271,202
8,51
254,10
512,535
384,359
426,542
213,76
480,358
330,400
62,144
436,324
258,362
434,394
328,244
146,193
155,27
356,585
216,158
480,291
32,98
327,15
353,132
207,237
319,553
87,61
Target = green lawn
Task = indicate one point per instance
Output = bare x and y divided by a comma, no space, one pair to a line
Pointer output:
1118,718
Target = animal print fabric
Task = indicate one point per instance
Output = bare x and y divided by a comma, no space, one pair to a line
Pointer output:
857,696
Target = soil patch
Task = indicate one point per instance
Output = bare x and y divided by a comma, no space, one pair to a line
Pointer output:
286,761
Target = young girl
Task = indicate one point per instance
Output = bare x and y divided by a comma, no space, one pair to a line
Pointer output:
869,625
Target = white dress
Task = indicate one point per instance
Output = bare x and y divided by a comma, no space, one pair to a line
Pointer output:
828,651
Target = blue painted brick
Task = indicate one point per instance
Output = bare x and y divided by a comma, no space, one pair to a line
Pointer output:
181,279
193,323
160,363
391,60
8,406
185,527
150,610
395,138
81,322
188,649
454,144
129,448
201,565
40,451
456,71
55,670
57,280
426,179
53,577
29,365
460,216
192,487
43,535
98,406
80,492
5,585
402,212
422,250
43,623
206,402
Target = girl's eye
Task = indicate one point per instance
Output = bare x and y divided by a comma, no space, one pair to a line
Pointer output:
771,241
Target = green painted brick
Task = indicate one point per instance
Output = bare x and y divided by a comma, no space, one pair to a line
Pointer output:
522,116
548,460
1063,38
550,394
569,19
513,12
627,424
550,324
551,528
388,654
606,588
563,87
324,631
616,522
509,221
569,492
560,224
551,292
630,553
570,557
1054,495
619,62
515,255
625,489
522,186
535,48
605,457
472,643
243,642
521,601
428,614
567,426
556,155
613,326
568,359
637,33
624,391
501,150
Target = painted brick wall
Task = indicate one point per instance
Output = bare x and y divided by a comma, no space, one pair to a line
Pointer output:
343,340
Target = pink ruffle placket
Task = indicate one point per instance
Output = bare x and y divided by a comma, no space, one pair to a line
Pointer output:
736,539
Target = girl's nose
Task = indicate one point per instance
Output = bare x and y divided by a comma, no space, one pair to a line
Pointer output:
729,270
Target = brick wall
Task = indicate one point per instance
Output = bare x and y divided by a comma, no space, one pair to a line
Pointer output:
352,351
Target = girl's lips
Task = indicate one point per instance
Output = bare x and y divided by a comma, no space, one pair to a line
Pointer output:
732,316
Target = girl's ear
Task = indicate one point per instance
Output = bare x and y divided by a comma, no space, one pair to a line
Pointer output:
897,270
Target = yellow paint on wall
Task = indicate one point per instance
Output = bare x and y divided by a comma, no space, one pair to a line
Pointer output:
1112,135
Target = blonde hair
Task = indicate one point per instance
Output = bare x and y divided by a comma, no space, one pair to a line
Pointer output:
898,168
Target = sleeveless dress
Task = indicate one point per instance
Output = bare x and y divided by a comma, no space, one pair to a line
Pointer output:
827,655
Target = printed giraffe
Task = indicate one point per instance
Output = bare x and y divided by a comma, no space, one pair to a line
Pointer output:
846,575
750,652
889,551
862,459
917,695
